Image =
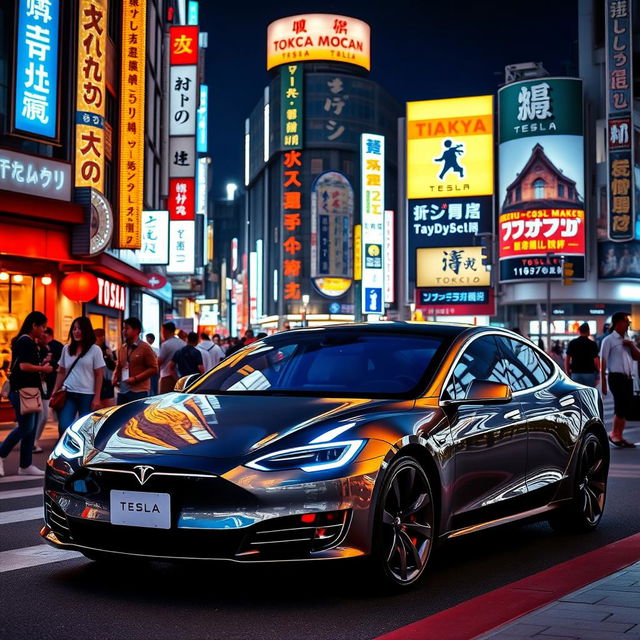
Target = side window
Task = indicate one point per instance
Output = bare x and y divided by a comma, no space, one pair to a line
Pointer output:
527,369
481,360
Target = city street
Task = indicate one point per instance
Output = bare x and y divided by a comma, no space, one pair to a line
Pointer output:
48,592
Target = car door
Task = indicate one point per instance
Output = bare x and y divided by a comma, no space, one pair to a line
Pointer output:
490,440
552,410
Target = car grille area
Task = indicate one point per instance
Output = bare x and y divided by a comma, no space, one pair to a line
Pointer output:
78,515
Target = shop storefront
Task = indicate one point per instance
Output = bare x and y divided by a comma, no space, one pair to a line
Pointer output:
108,310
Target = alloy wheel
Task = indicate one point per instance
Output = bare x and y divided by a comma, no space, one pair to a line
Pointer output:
592,481
407,522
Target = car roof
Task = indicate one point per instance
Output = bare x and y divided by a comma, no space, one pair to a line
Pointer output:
440,329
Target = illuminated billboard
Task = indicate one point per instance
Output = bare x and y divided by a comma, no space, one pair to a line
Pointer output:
35,111
331,224
91,94
542,215
132,82
372,154
450,147
318,36
155,238
451,267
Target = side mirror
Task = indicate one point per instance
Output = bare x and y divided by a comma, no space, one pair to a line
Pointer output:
484,392
185,381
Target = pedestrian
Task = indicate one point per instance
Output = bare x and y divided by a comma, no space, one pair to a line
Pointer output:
171,343
211,352
136,364
616,356
556,355
79,375
26,373
151,338
107,392
249,338
582,360
188,360
182,334
51,354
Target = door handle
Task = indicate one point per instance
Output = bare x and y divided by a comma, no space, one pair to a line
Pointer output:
513,415
567,401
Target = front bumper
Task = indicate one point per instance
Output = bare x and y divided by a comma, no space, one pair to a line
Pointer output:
244,515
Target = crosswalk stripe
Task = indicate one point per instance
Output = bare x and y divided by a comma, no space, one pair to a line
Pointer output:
33,557
7,479
21,515
21,493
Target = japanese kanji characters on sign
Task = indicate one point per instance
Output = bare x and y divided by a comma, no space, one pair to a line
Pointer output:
183,86
182,247
292,224
35,108
451,267
90,93
291,105
155,238
620,119
372,159
184,45
542,231
334,104
331,225
182,199
132,112
542,184
318,36
34,175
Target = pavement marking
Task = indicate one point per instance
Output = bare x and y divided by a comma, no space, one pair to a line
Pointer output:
34,556
7,479
21,515
21,493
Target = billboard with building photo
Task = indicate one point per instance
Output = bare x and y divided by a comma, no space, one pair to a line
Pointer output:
541,194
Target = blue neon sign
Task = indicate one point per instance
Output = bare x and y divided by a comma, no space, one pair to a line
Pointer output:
192,18
201,135
36,95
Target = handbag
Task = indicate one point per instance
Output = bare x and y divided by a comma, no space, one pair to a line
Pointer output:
30,400
59,397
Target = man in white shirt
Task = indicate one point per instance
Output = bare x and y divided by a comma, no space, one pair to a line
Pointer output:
617,355
211,352
171,344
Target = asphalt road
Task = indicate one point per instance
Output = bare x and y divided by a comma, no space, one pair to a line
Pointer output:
75,598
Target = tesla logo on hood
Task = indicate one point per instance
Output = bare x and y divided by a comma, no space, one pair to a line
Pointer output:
143,472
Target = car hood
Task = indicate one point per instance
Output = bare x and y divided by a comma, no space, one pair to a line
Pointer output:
224,426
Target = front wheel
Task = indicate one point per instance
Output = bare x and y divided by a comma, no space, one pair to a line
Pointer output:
584,511
405,529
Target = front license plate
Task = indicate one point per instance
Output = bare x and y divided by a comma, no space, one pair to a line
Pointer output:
141,509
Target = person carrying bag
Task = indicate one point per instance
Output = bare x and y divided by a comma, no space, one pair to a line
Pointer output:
26,392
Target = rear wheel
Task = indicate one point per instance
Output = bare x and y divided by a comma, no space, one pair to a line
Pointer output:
584,511
405,524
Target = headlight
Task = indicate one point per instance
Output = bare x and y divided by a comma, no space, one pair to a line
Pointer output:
311,457
72,443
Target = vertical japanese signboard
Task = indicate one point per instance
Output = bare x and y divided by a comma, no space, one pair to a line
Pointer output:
203,114
291,102
132,81
542,215
90,94
35,108
450,184
155,238
389,256
183,102
292,225
331,225
620,120
372,172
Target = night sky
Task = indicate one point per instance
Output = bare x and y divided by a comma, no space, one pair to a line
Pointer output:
420,50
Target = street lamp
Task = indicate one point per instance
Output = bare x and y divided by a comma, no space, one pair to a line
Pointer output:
305,304
231,191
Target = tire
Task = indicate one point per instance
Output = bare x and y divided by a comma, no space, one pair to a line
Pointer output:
584,512
404,526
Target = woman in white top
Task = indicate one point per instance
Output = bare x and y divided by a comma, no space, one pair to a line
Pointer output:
80,372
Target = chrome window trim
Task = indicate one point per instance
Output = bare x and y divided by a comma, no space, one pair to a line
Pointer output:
555,371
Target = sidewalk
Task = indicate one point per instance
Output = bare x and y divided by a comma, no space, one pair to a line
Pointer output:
608,609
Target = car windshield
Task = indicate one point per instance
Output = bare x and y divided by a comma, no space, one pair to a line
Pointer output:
328,363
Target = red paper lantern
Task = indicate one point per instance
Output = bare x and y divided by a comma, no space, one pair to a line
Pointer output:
80,286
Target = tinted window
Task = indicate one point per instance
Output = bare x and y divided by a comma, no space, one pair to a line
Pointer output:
481,360
527,369
328,363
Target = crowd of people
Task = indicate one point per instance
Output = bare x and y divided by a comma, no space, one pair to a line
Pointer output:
48,379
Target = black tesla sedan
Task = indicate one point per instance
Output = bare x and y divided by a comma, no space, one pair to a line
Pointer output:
358,440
